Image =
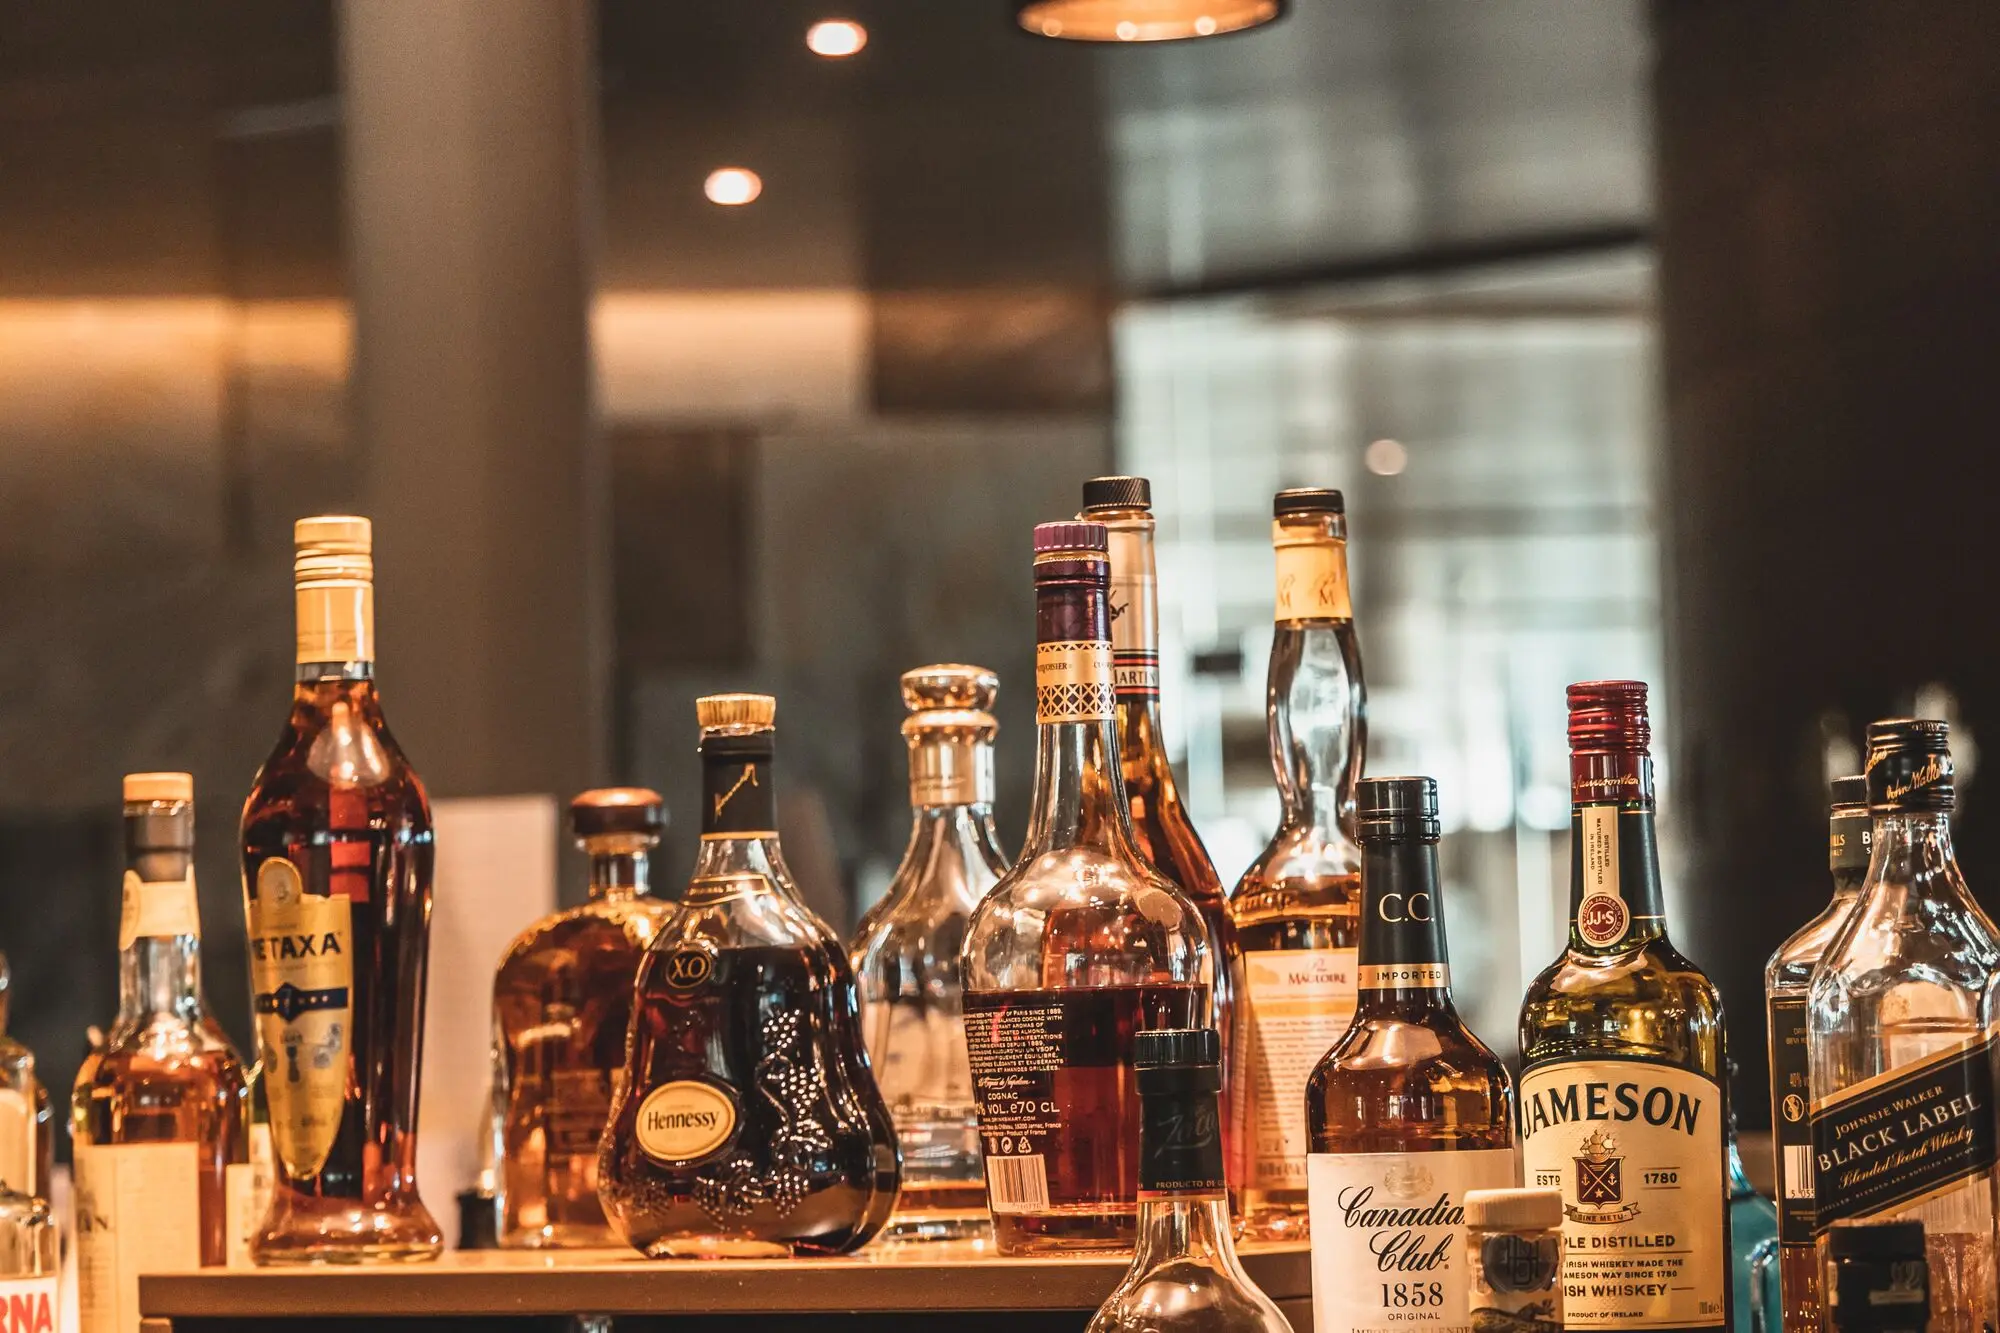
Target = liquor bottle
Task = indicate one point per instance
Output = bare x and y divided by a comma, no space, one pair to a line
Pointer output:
561,1001
30,1237
1409,1110
158,1115
1185,1276
27,1124
747,1122
1878,1279
906,952
1849,842
1079,946
1622,1101
1900,1033
1297,909
1160,823
337,852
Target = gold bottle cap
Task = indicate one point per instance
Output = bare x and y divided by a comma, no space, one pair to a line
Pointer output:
143,787
949,685
617,810
752,711
333,548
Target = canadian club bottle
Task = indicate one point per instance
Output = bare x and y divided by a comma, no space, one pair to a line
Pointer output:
1296,910
336,843
1410,1109
1849,842
1078,947
747,1122
1622,1057
1900,1037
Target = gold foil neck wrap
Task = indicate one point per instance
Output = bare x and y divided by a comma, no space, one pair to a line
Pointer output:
1312,575
333,576
1073,682
950,732
748,712
141,788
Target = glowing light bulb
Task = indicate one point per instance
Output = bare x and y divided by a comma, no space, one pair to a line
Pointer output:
1127,30
1205,26
836,39
1386,458
731,186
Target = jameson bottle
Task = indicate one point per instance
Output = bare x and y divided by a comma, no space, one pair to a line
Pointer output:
1160,823
747,1122
1297,909
1078,947
906,952
1900,1037
1849,842
336,843
1409,1110
1622,1057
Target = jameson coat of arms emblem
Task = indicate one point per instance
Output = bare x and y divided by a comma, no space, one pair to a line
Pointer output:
1600,1185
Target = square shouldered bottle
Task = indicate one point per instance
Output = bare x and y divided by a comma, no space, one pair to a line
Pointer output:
1079,946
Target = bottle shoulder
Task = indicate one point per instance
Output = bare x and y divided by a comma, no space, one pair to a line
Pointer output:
162,1056
1792,963
1187,1294
344,746
1301,872
595,927
1649,1003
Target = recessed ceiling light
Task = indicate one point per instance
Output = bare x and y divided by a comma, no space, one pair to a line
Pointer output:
836,38
730,186
1386,458
1143,20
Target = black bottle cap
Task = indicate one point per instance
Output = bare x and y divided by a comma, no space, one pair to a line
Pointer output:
1850,792
1883,1242
1308,500
1909,764
1397,810
605,810
1178,1060
1117,493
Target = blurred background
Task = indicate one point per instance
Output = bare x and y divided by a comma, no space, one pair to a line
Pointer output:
674,350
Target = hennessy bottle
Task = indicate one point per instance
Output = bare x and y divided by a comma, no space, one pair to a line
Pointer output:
336,843
747,1123
1078,947
561,1000
906,952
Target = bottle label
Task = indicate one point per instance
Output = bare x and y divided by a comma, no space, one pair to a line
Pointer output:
1387,1237
737,799
681,1123
336,621
1895,1140
138,1210
1073,682
246,1188
157,910
29,1304
1134,603
302,976
1402,925
1312,582
1296,1003
1850,841
1015,1044
1516,1282
1636,1148
1791,1120
1180,1148
1614,876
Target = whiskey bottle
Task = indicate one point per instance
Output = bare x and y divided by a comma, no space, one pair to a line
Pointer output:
747,1123
906,952
1160,823
561,1000
1296,911
1849,842
1185,1276
1409,1110
30,1237
159,1114
1900,1037
1621,1089
1078,947
337,851
27,1123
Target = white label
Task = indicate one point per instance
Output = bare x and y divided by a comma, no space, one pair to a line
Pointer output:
1388,1237
29,1304
1636,1149
138,1210
1297,1002
1018,1184
157,909
246,1194
1601,917
1312,581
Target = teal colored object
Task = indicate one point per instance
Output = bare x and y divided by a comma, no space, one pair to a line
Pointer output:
1753,1221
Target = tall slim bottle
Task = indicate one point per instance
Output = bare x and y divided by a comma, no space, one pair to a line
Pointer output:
1077,947
1900,1034
1622,1079
30,1237
1786,979
160,1114
337,850
906,952
1297,909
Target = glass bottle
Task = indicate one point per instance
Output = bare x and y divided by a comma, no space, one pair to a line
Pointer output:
27,1124
1786,978
1900,1032
1622,1082
30,1237
906,952
337,851
1753,1231
748,1122
1878,1279
1409,1110
561,1000
1185,1276
1296,911
1079,946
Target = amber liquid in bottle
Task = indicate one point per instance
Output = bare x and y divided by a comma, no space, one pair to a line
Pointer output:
561,1000
337,851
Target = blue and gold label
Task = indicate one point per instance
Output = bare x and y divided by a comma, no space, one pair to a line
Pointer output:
302,981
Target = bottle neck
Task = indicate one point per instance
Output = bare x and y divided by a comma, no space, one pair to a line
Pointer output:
1314,700
1134,609
335,618
620,868
1403,970
1616,904
1913,853
1079,788
738,796
952,765
1850,846
159,929
1183,1201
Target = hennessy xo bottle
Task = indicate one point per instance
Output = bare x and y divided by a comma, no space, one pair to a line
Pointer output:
336,845
1622,1062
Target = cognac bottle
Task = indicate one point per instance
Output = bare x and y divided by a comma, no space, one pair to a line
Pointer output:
561,1001
1078,947
906,952
337,851
747,1123
160,1113
1296,911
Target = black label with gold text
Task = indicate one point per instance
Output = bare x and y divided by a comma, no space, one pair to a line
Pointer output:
736,796
1791,1120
